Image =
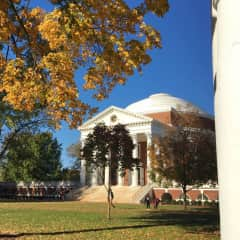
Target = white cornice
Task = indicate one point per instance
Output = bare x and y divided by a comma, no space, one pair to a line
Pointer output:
142,119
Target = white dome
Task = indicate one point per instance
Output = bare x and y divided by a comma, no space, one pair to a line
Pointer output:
163,102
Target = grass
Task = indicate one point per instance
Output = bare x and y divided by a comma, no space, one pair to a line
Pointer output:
74,220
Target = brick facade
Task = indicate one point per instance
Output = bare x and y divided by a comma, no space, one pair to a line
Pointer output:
176,118
164,117
211,194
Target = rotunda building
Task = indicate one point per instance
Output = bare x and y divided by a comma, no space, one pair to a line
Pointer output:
146,120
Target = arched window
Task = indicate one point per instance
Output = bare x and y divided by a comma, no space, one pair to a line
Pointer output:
166,198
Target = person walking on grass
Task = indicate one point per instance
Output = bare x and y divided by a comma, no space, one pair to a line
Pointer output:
156,202
147,201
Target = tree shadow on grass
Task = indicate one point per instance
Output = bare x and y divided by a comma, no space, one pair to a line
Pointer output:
18,235
204,220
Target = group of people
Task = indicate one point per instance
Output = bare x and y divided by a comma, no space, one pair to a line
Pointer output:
155,201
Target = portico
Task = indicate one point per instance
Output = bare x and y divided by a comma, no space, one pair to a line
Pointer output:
142,130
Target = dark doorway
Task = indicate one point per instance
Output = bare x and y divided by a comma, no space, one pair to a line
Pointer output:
142,153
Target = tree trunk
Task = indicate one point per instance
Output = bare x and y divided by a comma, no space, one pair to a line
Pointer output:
109,189
109,200
184,187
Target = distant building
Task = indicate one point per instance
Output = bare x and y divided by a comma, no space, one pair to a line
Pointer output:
146,120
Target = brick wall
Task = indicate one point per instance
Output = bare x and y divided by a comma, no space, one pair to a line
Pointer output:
175,118
211,194
164,117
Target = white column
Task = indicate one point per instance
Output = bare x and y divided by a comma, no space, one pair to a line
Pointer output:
227,112
94,177
135,155
134,177
129,178
106,178
142,177
83,170
120,179
83,173
149,143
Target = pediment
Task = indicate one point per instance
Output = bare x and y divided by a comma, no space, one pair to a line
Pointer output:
114,115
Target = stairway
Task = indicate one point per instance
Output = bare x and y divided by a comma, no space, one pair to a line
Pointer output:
122,194
140,195
75,193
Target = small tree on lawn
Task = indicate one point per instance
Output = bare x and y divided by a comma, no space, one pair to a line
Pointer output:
112,147
32,157
186,155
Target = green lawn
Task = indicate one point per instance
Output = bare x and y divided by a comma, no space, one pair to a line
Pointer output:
74,220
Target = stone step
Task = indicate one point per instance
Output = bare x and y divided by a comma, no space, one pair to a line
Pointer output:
122,194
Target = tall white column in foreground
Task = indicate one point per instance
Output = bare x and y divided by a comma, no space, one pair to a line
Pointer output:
135,155
226,56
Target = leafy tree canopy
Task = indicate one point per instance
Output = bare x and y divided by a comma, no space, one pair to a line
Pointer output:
33,157
109,146
40,51
70,174
112,147
186,155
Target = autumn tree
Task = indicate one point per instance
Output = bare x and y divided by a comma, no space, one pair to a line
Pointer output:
112,147
186,155
40,51
32,157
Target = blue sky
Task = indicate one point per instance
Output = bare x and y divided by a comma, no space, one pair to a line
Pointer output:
181,68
